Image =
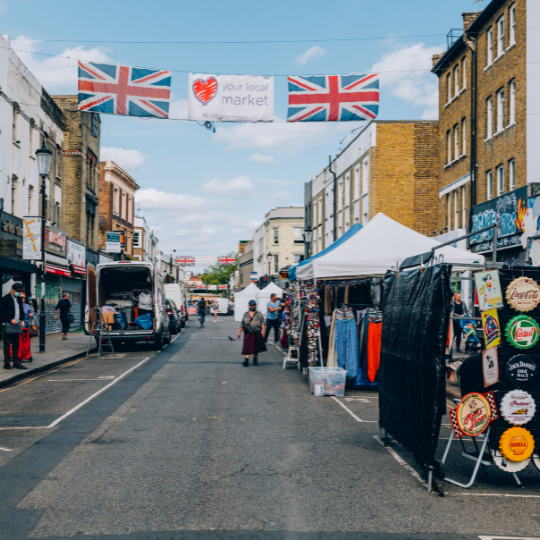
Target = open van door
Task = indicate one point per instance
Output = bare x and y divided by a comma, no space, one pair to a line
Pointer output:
91,297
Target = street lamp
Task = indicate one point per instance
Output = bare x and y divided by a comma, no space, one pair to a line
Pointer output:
307,242
43,158
269,257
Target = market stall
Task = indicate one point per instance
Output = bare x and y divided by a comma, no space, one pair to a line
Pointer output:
241,299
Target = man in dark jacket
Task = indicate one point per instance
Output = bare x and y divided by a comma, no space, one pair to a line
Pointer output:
11,311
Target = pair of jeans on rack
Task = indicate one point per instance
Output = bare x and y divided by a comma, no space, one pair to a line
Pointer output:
346,340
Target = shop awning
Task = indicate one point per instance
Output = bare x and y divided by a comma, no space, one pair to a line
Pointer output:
19,266
378,247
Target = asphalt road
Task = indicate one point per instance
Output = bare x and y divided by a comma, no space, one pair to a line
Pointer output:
189,444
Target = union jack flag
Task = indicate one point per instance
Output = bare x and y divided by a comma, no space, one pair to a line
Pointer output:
106,88
223,287
185,261
226,260
333,98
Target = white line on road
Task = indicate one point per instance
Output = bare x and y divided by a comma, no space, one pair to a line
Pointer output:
508,538
62,380
502,495
6,449
354,415
401,461
87,400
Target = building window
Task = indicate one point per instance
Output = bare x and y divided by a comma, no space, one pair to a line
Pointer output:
456,141
456,209
456,80
449,212
512,102
365,176
94,124
512,169
298,235
464,70
448,147
365,209
489,180
137,239
500,37
500,180
500,110
15,132
276,264
115,201
464,135
513,24
31,139
347,189
448,88
298,258
489,125
490,46
14,196
30,200
464,207
276,237
58,164
340,194
356,182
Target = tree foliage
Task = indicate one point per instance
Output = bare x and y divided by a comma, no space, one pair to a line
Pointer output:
218,275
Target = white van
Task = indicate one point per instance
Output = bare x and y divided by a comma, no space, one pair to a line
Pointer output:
223,306
176,293
119,284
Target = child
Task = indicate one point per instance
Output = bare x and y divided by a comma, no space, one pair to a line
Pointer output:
471,337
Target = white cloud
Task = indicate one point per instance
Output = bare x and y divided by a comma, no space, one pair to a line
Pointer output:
310,54
280,134
152,199
406,72
127,159
179,109
216,186
280,197
262,158
56,73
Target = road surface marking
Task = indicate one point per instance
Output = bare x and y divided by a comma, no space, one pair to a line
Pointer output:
509,538
354,415
359,399
62,380
6,449
401,461
503,495
82,404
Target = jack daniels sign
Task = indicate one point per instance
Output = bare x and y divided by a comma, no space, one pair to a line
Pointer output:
508,213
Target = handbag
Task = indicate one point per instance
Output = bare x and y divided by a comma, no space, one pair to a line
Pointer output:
33,330
14,328
71,318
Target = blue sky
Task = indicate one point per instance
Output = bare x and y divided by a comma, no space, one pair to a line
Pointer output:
202,191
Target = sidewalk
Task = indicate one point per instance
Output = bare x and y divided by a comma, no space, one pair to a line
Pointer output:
57,352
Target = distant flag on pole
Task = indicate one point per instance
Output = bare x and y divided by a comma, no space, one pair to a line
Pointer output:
333,98
106,88
223,287
226,260
185,261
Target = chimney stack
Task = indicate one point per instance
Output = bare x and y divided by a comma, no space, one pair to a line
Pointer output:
468,18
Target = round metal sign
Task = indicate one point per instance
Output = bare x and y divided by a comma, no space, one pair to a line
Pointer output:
522,332
473,414
506,465
516,444
523,294
518,407
521,370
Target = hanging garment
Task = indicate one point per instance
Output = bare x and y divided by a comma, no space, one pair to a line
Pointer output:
347,343
374,349
284,340
327,300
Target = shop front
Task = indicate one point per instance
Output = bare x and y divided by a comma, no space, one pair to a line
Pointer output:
74,285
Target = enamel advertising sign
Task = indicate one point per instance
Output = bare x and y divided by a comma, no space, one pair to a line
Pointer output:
489,290
230,98
492,329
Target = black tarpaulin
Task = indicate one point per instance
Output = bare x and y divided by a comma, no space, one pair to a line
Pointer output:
412,375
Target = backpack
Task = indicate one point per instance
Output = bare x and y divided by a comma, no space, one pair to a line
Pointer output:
201,305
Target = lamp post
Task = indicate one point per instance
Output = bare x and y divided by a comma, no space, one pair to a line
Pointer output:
307,243
43,158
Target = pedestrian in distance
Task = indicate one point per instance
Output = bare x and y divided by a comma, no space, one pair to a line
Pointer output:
64,307
25,350
459,310
253,327
215,311
273,318
201,309
12,317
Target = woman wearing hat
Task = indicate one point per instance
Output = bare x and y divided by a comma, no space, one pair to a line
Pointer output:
253,326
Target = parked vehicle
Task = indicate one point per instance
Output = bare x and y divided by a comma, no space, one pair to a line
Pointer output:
174,317
122,285
223,306
176,292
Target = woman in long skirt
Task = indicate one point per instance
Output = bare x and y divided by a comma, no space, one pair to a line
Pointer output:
253,327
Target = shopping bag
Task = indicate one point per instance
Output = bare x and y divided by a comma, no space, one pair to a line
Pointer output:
33,330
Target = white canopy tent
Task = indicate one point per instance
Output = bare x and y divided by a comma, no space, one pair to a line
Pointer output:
376,248
241,299
264,296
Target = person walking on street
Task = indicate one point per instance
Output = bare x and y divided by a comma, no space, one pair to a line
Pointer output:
460,310
12,317
253,326
215,311
201,308
64,306
273,318
25,351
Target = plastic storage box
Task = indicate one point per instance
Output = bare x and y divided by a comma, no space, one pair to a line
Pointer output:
327,381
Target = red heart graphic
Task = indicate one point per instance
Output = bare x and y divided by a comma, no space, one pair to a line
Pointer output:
205,91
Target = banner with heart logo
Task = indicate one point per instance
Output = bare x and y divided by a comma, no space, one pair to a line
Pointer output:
231,98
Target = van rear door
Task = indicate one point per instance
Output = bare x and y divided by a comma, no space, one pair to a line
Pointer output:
91,296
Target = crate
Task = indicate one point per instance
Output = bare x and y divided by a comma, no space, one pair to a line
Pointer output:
327,381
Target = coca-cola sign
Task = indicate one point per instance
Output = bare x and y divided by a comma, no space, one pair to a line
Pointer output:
523,294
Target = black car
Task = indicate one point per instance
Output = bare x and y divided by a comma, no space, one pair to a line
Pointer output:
174,317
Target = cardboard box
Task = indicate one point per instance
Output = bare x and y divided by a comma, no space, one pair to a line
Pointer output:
109,318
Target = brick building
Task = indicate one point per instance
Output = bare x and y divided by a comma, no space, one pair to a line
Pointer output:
80,172
144,241
116,204
245,264
389,167
489,117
